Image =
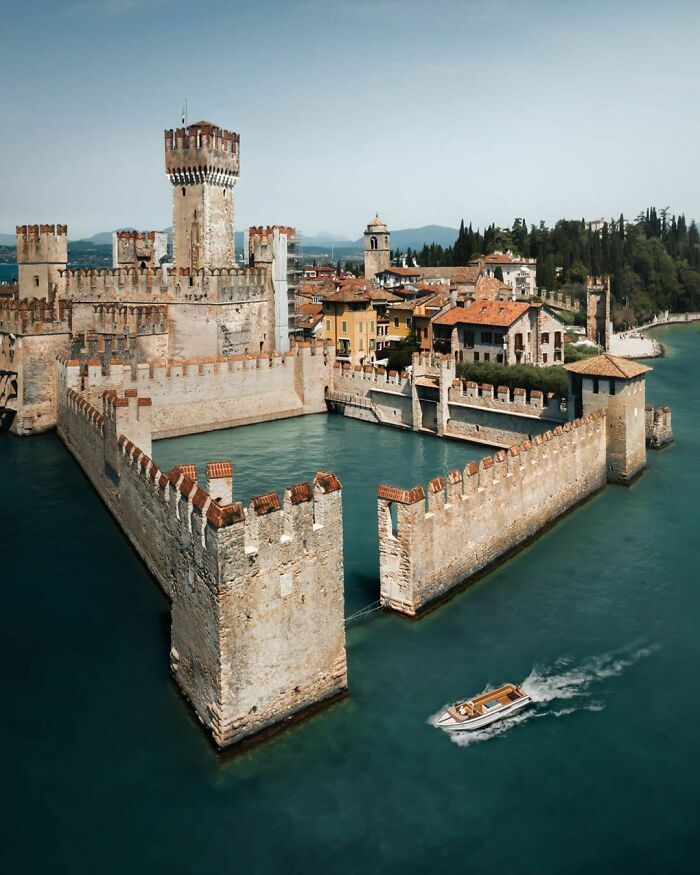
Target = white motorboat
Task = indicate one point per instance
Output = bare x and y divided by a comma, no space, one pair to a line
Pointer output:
485,708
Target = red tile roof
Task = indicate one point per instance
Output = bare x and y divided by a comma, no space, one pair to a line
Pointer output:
219,469
499,313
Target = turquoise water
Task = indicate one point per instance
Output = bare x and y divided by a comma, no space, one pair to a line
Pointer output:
106,770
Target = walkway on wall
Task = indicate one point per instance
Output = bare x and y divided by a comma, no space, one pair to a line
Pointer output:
347,399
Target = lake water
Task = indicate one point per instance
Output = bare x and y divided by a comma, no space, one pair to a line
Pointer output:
106,770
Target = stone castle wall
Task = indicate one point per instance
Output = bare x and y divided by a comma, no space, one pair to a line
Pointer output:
32,335
475,516
199,395
249,588
498,417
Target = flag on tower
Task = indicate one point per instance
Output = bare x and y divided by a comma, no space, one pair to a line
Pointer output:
184,113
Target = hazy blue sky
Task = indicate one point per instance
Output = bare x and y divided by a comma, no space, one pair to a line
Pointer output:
426,111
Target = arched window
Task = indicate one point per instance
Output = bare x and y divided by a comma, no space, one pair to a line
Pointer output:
372,242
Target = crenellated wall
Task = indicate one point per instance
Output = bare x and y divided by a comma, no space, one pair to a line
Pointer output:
32,334
432,399
258,632
477,515
198,395
154,285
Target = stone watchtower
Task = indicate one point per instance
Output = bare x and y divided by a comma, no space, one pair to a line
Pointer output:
377,248
598,310
617,386
202,162
42,251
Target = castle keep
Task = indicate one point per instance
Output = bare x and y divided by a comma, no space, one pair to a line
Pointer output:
116,359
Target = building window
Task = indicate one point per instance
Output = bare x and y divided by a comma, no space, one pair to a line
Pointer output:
359,326
345,327
544,358
469,339
487,356
557,355
183,191
499,358
396,321
557,338
476,356
498,339
36,280
372,242
612,387
545,337
362,345
371,343
487,337
595,385
328,324
409,322
371,326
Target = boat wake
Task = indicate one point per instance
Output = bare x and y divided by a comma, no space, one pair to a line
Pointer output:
557,691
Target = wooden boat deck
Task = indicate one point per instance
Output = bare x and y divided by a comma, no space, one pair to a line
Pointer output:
475,707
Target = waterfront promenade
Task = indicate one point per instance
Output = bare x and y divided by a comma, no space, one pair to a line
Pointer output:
635,343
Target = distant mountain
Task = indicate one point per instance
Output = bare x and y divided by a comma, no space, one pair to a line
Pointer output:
416,238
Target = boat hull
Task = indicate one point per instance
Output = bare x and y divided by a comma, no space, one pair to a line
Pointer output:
447,721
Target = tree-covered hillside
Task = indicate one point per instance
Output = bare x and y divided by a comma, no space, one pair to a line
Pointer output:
654,261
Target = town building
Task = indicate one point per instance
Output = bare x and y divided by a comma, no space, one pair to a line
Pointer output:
414,316
350,316
506,332
518,272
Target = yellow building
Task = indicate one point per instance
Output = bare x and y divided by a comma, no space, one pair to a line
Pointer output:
415,316
350,321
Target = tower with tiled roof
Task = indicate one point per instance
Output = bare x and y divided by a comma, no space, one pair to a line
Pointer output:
377,248
617,386
202,163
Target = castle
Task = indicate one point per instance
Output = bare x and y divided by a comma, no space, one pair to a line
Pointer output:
115,359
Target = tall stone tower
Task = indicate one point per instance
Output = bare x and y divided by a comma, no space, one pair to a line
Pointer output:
202,163
377,248
617,386
598,310
42,251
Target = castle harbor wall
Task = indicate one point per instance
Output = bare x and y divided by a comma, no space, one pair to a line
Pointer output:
198,395
475,516
257,616
496,416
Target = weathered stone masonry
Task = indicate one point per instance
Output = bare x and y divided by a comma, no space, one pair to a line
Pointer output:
476,515
250,589
432,399
200,394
